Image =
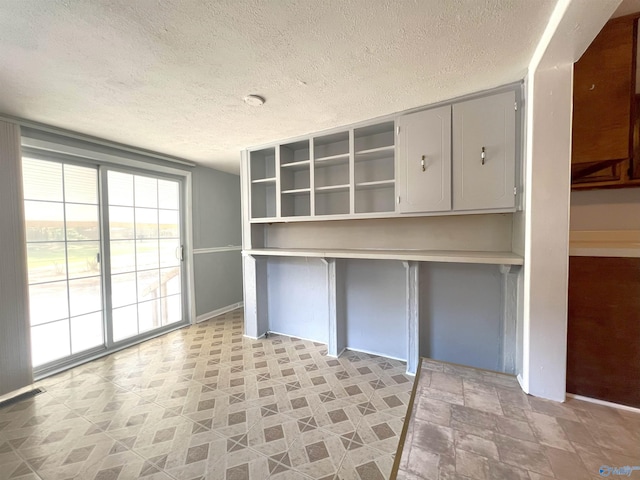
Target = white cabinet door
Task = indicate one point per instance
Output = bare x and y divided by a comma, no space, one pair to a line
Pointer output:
484,153
424,161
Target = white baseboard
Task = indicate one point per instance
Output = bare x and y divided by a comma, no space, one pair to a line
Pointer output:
378,354
219,311
338,355
271,332
604,403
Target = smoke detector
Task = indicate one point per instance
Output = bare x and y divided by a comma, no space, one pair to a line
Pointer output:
254,100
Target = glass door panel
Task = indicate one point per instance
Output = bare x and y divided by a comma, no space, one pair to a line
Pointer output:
63,251
64,218
145,244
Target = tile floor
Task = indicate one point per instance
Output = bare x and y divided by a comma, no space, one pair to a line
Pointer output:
204,402
467,423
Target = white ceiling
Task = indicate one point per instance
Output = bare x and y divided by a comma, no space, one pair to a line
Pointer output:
170,75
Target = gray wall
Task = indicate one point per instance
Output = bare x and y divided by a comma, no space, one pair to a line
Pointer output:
217,218
375,302
216,224
297,298
460,314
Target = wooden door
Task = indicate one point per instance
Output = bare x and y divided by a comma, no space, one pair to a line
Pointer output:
424,161
484,153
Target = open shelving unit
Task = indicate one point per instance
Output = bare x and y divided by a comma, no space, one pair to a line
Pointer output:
347,173
374,168
332,174
263,183
295,179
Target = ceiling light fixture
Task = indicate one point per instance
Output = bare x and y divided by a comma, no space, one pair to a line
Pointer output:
254,100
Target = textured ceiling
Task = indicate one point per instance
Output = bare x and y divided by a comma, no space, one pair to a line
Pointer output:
170,75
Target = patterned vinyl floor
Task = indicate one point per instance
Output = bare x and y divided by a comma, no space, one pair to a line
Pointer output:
204,402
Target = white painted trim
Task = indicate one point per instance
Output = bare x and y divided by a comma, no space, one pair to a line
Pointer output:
228,248
114,158
522,384
88,138
378,354
604,403
341,352
188,246
219,311
295,336
253,338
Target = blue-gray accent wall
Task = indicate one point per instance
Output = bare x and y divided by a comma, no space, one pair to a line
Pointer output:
216,224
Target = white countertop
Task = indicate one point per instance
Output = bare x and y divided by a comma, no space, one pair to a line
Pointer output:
605,243
449,256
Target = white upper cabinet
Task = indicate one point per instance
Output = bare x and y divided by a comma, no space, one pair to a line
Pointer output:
424,161
484,153
458,157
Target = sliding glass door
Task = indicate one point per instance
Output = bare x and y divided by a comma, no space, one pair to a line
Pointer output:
145,251
63,255
104,258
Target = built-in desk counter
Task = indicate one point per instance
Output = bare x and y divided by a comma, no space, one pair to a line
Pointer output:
445,256
398,303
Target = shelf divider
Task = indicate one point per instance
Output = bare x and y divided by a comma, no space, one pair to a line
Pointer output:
333,188
376,184
296,191
264,180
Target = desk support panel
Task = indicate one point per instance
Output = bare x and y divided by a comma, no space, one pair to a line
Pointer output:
413,314
509,317
337,325
256,305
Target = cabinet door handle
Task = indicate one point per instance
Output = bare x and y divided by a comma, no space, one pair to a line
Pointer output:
482,155
424,168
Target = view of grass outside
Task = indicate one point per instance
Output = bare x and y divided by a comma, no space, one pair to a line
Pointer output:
63,242
65,261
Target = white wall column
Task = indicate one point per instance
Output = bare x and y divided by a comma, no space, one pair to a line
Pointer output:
255,287
15,340
413,315
572,27
335,294
509,317
547,246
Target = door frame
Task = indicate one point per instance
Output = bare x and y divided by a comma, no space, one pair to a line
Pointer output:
85,154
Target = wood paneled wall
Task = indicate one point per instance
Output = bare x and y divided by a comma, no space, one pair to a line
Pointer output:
603,349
